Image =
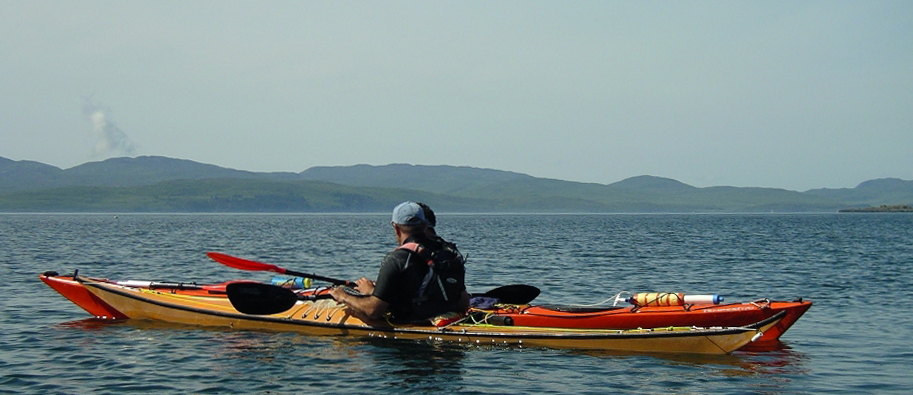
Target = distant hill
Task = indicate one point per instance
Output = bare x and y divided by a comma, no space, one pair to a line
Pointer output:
654,184
28,175
116,172
889,191
439,179
147,170
160,184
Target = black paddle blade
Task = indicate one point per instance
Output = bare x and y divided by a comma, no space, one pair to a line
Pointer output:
513,294
260,299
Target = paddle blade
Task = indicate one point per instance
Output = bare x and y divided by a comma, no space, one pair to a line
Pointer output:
260,299
514,294
243,264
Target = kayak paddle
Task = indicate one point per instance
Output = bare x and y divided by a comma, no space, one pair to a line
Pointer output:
509,294
247,264
264,299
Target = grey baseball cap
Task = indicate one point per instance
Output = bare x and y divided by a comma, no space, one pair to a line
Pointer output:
409,213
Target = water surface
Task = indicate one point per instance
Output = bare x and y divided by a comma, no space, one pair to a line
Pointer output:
855,267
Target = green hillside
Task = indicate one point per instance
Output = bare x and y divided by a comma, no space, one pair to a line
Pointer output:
158,184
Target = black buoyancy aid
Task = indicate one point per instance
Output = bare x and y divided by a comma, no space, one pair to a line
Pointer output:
444,281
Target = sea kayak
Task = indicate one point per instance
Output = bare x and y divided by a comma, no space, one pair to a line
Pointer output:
548,316
207,305
326,317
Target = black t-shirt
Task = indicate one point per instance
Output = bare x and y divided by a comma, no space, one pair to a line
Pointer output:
400,278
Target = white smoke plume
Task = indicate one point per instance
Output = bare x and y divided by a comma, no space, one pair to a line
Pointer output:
109,139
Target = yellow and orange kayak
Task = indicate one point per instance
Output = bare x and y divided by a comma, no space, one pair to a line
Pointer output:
326,317
547,316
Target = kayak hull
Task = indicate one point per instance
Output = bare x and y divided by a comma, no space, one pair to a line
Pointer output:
326,317
728,315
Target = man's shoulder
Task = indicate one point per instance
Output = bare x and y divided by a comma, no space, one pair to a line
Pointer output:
398,253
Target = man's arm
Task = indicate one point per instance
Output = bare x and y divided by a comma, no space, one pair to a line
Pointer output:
371,307
366,308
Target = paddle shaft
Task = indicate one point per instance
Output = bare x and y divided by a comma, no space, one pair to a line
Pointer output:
512,294
312,276
247,264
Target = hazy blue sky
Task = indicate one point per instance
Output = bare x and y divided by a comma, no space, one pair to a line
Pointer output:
793,94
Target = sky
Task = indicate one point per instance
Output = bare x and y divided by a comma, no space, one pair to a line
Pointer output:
784,94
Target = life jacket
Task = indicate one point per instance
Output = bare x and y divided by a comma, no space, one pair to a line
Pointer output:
443,284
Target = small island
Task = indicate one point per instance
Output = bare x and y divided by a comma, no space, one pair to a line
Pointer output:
884,208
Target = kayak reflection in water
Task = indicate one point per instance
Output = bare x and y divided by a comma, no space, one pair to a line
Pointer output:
421,280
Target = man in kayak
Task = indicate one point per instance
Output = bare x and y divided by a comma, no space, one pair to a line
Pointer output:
418,281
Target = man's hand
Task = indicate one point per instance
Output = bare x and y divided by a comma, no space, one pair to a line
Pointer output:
338,294
364,286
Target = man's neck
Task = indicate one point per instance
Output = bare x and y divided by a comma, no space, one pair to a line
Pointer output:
407,238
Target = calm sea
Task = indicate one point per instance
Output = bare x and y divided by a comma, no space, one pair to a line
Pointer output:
857,268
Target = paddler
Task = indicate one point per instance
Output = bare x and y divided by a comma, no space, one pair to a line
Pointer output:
406,285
